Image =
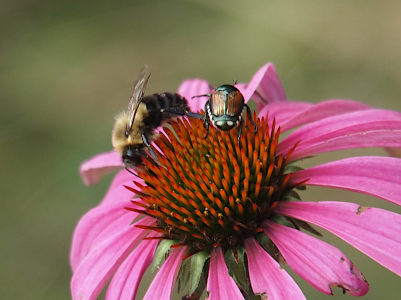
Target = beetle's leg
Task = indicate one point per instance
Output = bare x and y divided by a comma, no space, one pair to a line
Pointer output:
206,120
248,111
241,123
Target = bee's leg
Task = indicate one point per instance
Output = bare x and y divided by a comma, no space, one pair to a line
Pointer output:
195,115
181,112
151,151
174,111
241,123
206,120
248,111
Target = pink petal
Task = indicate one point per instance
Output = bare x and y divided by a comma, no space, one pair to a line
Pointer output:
125,282
265,87
116,225
92,224
162,285
195,87
283,111
220,285
95,168
319,263
367,139
117,191
373,231
266,275
99,265
372,175
321,111
366,128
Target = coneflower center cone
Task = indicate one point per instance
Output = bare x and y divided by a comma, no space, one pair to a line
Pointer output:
210,192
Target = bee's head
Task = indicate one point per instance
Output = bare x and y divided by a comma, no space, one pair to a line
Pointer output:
132,155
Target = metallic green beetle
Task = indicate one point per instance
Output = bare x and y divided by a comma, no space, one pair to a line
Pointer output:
225,109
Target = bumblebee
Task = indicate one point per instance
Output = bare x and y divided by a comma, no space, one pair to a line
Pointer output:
225,109
134,129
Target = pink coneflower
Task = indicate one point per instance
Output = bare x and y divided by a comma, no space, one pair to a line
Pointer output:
221,217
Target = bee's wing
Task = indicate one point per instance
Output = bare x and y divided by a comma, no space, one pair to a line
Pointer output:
137,95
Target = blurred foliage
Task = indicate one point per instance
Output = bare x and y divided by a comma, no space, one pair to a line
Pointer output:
67,67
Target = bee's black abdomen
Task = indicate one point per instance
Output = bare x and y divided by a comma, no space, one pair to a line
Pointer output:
157,102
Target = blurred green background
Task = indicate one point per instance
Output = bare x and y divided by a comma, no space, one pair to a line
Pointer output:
67,67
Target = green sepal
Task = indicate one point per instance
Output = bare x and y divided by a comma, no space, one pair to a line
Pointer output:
306,226
290,199
291,196
238,270
301,159
184,274
282,220
301,187
291,169
263,239
198,262
162,252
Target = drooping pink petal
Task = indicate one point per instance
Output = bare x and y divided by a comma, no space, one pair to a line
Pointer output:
102,261
265,87
220,285
319,263
372,175
98,220
125,282
95,168
373,231
195,87
321,111
366,128
266,275
162,285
